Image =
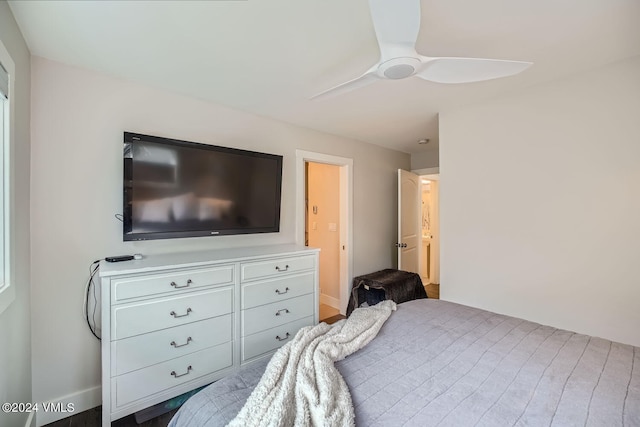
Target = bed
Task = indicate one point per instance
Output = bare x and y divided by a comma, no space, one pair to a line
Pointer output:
440,363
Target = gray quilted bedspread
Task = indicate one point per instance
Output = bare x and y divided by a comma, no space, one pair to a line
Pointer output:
440,363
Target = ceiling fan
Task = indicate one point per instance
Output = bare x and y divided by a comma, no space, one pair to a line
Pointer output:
396,23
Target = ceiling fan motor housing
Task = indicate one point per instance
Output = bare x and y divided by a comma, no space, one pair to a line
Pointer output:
399,68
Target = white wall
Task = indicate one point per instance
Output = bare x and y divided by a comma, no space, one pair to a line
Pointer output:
540,203
426,159
78,118
15,330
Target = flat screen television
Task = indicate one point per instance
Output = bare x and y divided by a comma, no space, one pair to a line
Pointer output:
176,188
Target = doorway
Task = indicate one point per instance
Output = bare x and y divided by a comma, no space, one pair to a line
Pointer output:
322,228
430,227
324,220
419,225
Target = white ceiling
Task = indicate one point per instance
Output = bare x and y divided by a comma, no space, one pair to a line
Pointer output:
269,56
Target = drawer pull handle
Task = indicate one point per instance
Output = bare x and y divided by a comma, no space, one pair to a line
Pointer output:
181,375
175,285
173,313
173,343
286,310
282,293
282,339
286,267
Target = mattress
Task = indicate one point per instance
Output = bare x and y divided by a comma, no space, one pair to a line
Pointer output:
440,363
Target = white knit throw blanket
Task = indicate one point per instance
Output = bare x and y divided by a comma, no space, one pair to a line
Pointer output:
301,386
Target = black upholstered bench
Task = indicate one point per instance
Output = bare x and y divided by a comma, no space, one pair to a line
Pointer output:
396,285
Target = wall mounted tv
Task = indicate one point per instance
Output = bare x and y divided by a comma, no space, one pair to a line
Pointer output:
176,188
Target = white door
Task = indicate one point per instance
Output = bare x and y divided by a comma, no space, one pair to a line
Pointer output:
409,231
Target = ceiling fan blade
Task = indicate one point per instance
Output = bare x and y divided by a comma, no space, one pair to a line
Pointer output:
396,23
364,80
467,70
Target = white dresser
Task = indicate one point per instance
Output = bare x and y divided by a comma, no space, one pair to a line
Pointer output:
172,323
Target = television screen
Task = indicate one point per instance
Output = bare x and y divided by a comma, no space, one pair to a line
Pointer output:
176,188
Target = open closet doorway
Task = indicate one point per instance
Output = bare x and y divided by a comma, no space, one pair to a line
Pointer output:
324,221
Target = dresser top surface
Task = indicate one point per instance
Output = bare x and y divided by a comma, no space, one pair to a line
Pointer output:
159,262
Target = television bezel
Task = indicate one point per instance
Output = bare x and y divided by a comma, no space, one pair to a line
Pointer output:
127,220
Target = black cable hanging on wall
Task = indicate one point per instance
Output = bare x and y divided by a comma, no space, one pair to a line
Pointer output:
93,270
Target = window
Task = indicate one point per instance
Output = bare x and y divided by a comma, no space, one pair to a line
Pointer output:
7,291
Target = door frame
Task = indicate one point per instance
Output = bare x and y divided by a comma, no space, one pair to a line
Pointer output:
426,171
346,212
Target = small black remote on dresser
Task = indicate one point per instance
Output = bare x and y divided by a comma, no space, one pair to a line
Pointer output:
119,258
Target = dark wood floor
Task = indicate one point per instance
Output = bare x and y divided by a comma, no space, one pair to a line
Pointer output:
93,418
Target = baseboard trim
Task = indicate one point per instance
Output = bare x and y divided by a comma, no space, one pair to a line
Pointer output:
30,420
81,401
330,301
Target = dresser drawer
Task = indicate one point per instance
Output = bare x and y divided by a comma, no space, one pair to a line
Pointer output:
268,291
271,339
135,385
147,316
279,267
173,282
144,350
275,314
